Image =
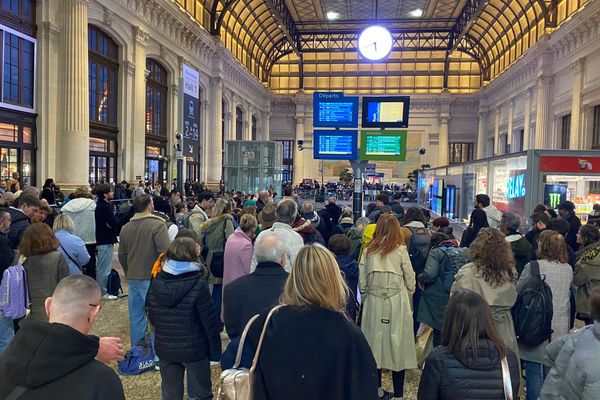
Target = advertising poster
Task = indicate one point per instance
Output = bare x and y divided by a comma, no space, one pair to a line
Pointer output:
191,110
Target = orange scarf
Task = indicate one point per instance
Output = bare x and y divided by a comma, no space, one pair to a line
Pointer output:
158,265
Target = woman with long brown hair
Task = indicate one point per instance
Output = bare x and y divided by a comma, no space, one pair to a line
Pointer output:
492,274
467,365
387,282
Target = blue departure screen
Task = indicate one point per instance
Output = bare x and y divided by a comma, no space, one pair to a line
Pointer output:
334,110
336,145
340,112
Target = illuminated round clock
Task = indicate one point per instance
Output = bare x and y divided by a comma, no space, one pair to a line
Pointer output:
375,43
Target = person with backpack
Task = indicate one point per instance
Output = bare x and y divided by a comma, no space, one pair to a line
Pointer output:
186,329
106,236
587,270
541,313
355,234
387,282
215,233
346,221
477,222
492,274
443,262
417,238
6,258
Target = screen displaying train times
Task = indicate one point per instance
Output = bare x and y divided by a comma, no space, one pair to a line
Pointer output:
385,112
383,145
334,110
335,145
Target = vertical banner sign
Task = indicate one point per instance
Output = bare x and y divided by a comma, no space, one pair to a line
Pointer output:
191,110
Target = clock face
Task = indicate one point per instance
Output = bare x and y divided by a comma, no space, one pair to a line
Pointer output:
375,43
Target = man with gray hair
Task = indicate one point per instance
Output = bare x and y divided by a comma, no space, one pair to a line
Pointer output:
285,215
521,248
263,199
252,294
57,359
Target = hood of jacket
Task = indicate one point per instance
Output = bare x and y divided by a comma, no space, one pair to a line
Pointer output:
590,254
42,353
78,205
348,266
304,226
210,225
171,289
488,357
347,220
493,213
414,224
355,233
448,243
180,267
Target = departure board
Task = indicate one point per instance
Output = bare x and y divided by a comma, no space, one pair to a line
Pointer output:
335,145
334,110
385,112
383,145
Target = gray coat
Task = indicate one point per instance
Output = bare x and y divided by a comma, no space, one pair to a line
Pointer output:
575,374
44,271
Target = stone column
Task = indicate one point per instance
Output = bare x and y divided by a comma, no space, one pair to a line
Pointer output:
576,112
246,128
509,132
527,122
543,113
496,132
249,126
204,150
265,126
137,152
443,144
481,134
173,127
215,165
299,155
73,147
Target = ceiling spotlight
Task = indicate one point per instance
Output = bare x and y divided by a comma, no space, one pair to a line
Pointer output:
416,13
332,15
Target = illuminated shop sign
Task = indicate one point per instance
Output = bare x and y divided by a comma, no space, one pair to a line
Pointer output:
515,186
554,194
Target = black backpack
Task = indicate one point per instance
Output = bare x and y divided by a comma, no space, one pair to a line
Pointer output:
418,248
454,259
113,284
532,313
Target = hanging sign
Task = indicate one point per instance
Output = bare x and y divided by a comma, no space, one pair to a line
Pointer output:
191,110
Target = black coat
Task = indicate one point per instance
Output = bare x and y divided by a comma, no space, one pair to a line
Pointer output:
6,253
183,315
522,251
446,377
334,212
19,223
54,361
349,268
468,237
574,225
313,353
250,295
106,224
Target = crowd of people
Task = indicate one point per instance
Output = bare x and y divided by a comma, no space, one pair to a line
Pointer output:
353,295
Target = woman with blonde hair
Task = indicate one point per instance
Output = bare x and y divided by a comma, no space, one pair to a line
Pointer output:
70,245
311,350
492,274
387,282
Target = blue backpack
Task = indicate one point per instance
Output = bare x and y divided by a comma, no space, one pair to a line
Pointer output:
140,358
14,293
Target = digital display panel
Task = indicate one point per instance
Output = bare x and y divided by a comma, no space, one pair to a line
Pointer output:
385,112
335,145
334,110
383,145
554,194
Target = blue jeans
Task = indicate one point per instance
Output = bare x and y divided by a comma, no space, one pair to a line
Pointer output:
136,300
7,332
534,379
104,265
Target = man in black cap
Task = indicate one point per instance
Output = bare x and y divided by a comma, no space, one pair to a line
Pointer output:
566,209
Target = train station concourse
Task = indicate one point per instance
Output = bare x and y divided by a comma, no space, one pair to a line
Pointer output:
171,168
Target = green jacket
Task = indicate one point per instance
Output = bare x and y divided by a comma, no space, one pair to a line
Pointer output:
586,277
216,231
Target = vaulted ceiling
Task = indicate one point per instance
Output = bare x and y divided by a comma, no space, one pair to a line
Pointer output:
438,44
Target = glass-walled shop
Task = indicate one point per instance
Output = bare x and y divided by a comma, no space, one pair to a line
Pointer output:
516,183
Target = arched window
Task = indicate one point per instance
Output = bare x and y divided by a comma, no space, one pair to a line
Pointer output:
103,76
156,99
104,91
254,127
239,124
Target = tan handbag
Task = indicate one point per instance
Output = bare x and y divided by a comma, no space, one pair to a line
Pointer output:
236,383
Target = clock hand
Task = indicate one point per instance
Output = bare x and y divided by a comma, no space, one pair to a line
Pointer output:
375,43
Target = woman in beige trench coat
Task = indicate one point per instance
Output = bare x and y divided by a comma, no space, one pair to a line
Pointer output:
387,282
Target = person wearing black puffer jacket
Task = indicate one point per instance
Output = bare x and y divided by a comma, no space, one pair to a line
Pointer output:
461,369
181,310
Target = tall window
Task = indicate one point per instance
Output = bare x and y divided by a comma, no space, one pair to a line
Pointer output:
156,99
521,140
565,131
254,128
239,124
461,152
596,127
18,66
103,77
288,159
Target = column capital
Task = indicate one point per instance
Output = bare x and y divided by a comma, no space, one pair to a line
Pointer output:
545,80
51,30
577,65
299,119
140,36
216,80
444,119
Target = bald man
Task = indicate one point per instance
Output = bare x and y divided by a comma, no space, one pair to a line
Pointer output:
57,359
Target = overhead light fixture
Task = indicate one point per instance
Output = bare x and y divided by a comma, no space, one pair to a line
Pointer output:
416,13
332,15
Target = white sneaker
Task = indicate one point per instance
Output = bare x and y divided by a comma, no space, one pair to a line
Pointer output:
109,297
